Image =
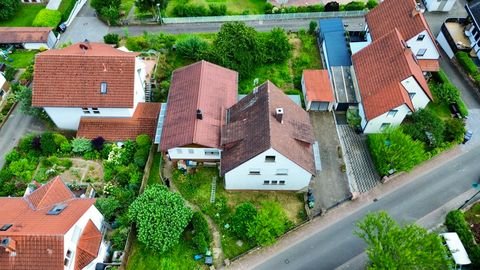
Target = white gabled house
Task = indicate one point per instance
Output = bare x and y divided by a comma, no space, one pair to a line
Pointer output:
198,97
390,81
267,143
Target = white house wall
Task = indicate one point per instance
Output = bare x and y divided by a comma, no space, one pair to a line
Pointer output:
70,239
442,41
139,94
436,5
69,118
420,100
191,153
427,43
374,125
474,38
240,178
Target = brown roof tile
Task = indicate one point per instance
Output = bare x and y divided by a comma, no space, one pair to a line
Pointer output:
24,34
252,129
399,14
143,121
429,65
380,68
318,85
71,77
204,86
88,246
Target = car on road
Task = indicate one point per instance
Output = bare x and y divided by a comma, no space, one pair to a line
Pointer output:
467,137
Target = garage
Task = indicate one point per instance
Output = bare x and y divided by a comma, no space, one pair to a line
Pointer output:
317,90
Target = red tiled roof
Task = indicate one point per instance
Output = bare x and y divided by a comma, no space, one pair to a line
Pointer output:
71,77
318,86
429,64
400,14
204,86
88,246
143,121
380,68
50,194
252,129
24,34
34,252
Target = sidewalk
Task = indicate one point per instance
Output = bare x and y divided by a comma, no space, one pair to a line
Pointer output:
321,223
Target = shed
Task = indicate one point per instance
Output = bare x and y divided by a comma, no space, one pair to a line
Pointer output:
30,38
456,248
317,90
335,49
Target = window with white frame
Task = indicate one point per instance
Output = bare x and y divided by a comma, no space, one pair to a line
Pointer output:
254,171
420,37
282,182
96,110
411,95
68,258
421,52
384,126
392,113
274,182
282,172
266,182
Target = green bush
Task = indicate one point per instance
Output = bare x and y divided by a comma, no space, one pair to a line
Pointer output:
190,10
466,62
12,156
137,44
81,145
143,141
276,41
111,38
201,237
454,130
427,127
25,143
10,73
108,207
217,9
371,4
27,75
269,223
8,8
47,18
312,27
192,47
355,5
59,139
47,144
200,242
119,238
141,156
244,214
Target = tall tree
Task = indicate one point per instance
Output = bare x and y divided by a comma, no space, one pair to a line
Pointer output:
161,216
390,246
277,47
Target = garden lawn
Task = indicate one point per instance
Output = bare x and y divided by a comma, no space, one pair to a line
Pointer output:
154,176
440,109
234,7
196,189
25,15
21,58
180,257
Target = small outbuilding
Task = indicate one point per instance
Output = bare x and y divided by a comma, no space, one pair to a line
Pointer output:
457,249
30,38
317,90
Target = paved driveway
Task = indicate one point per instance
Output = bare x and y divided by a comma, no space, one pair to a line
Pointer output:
330,185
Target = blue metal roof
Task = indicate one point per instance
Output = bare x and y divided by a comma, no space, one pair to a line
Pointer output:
333,33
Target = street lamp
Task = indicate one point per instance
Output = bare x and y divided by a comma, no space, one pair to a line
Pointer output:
159,17
475,185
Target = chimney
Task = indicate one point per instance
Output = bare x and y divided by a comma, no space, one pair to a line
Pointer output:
199,114
9,244
279,114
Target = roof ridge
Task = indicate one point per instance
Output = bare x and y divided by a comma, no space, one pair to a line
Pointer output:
268,114
200,83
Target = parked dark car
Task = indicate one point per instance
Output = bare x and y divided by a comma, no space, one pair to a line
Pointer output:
467,137
62,28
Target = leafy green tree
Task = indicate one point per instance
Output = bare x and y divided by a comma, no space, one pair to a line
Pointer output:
111,38
161,216
217,9
23,96
237,47
47,18
276,46
371,4
108,207
244,214
270,223
395,150
192,47
427,127
8,8
99,4
312,27
111,14
332,6
355,5
23,169
10,73
47,144
390,246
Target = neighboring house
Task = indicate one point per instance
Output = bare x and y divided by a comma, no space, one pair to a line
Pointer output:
91,80
267,143
317,90
4,86
439,5
30,38
50,229
198,97
391,83
453,37
473,30
407,17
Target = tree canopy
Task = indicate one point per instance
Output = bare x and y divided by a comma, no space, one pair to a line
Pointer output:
270,223
8,8
160,216
427,127
390,246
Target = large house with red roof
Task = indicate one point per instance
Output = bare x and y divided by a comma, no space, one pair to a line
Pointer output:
198,98
89,87
50,229
407,17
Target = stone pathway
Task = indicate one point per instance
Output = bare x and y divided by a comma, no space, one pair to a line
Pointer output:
217,250
360,169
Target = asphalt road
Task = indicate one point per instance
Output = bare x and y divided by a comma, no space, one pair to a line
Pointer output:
336,244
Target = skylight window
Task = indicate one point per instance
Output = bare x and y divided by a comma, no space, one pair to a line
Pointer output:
57,209
103,88
5,227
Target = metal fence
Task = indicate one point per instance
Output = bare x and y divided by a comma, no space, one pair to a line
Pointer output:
266,17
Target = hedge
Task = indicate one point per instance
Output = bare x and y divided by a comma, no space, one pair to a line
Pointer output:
467,63
47,18
455,222
443,83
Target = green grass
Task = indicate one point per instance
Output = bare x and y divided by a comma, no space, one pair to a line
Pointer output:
21,58
440,109
234,7
25,15
154,176
279,74
180,257
126,6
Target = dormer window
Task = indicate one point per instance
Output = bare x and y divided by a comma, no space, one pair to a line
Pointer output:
420,37
103,88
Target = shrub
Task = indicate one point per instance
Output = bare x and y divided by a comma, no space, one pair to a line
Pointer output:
98,143
108,207
312,27
137,44
244,214
81,145
141,156
47,18
111,14
59,139
454,130
11,156
27,75
119,238
190,10
65,147
355,5
427,127
276,41
200,242
10,73
332,6
201,237
143,141
47,144
8,8
23,169
466,62
192,47
25,143
455,222
268,9
371,4
217,9
445,93
269,223
111,38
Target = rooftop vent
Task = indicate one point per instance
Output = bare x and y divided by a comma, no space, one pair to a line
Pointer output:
199,114
279,114
57,209
5,227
